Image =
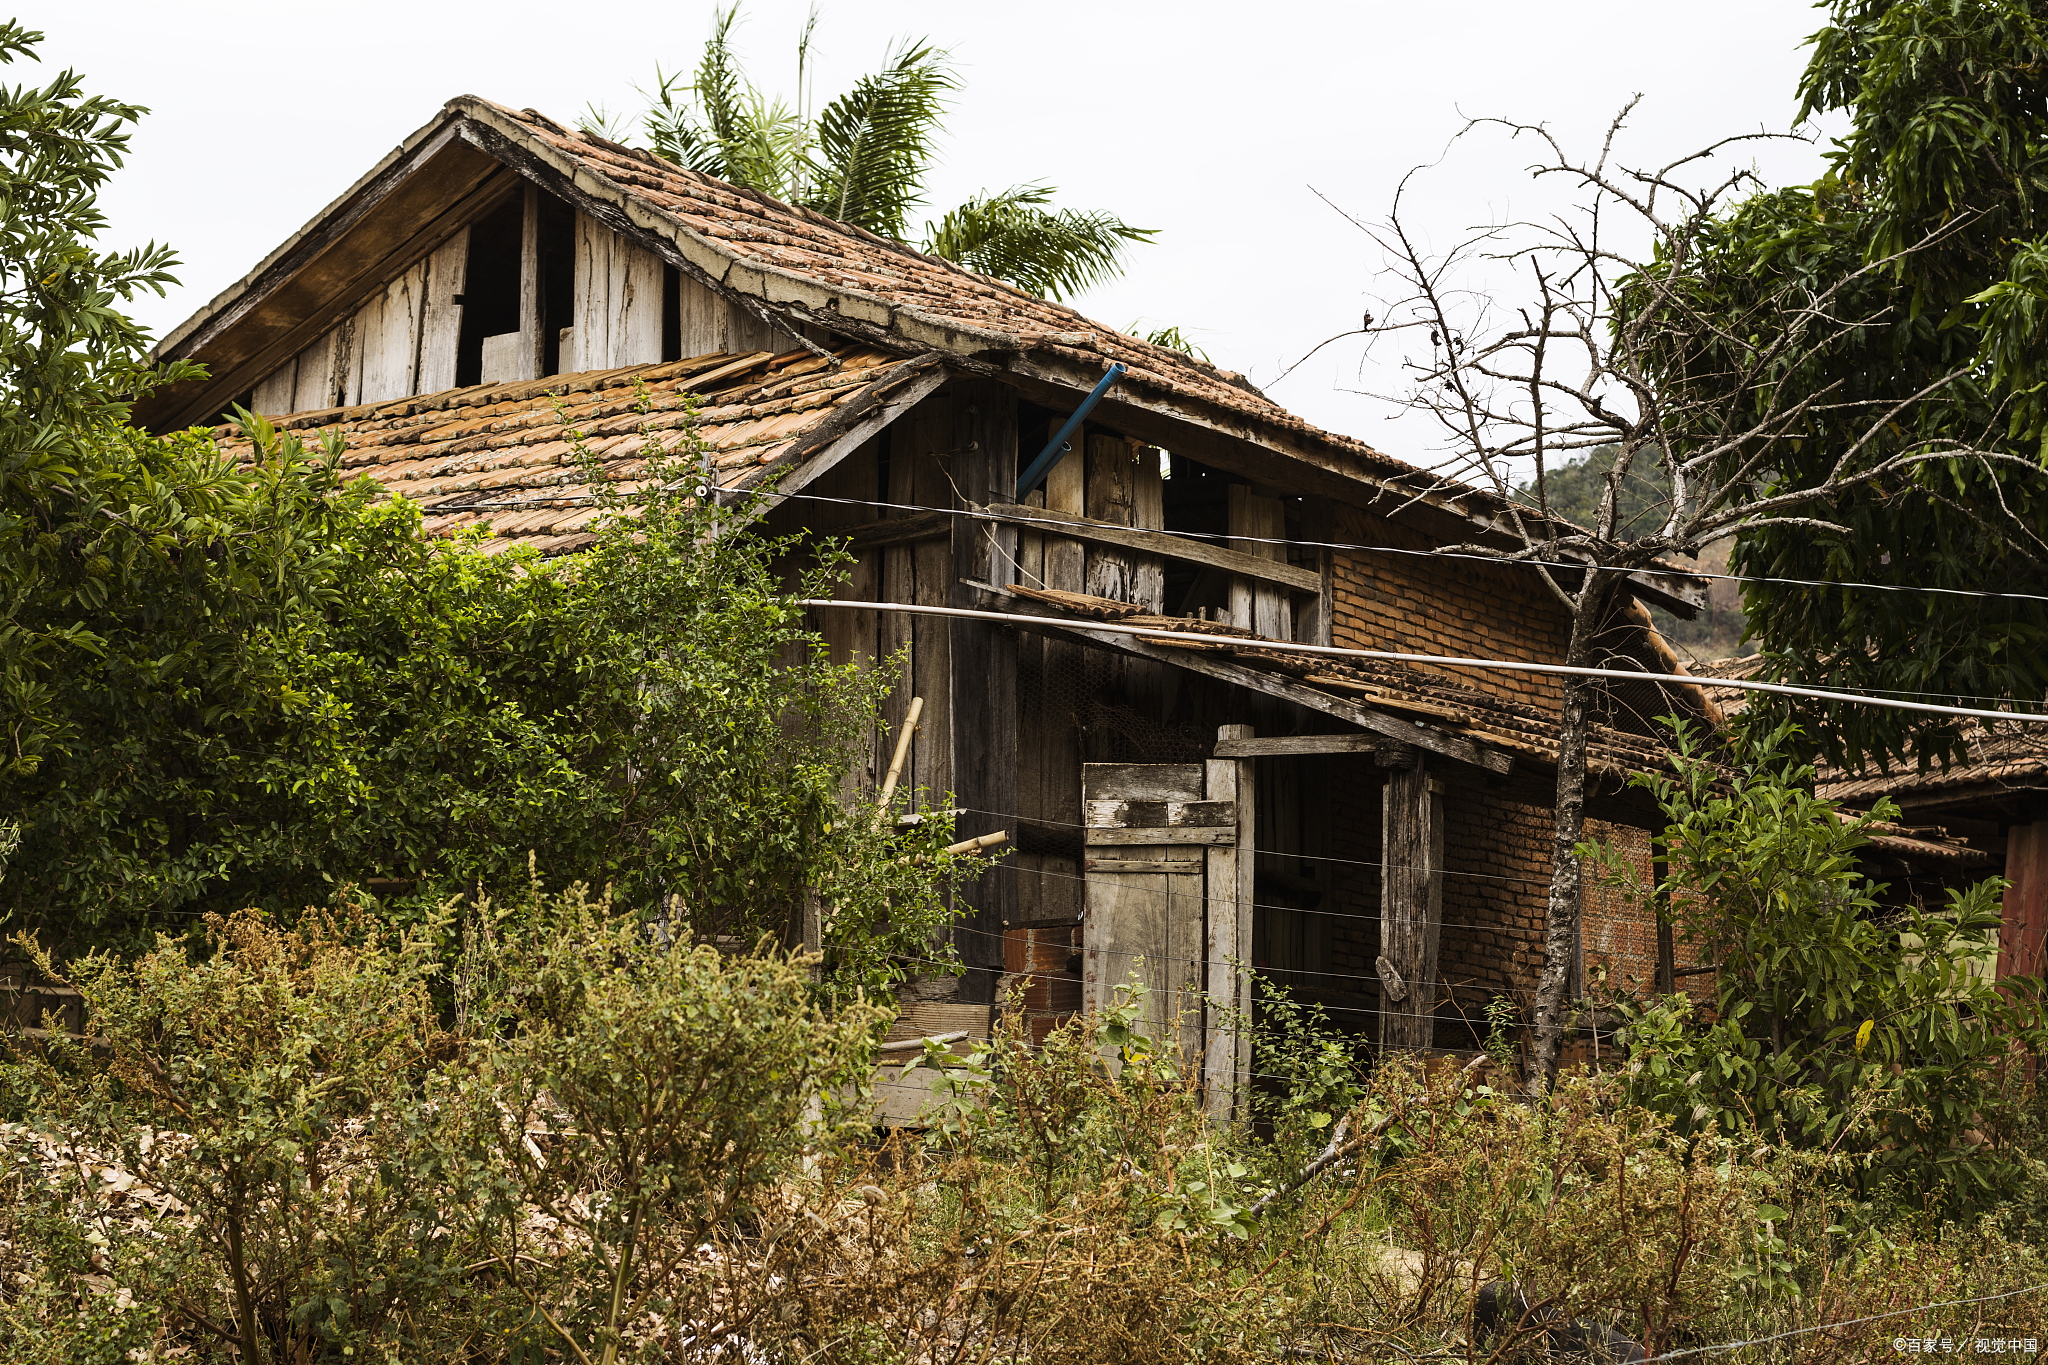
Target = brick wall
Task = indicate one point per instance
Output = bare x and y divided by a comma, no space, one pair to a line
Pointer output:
1618,931
1496,888
1445,606
1042,960
1496,884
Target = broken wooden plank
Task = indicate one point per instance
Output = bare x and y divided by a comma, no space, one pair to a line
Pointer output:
1160,834
1303,744
1115,814
1141,781
1163,543
1287,689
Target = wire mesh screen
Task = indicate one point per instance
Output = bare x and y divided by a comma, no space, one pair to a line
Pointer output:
1091,694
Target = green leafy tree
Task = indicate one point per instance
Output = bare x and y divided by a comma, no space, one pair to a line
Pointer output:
70,361
331,697
863,158
1938,184
1869,1033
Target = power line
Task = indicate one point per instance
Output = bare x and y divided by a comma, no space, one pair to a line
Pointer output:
1836,1326
1439,660
1278,853
1051,520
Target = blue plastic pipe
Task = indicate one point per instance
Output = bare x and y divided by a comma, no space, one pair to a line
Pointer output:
1057,446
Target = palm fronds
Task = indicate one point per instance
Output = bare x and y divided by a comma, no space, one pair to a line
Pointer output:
863,160
1173,339
603,122
695,124
875,142
1016,236
675,133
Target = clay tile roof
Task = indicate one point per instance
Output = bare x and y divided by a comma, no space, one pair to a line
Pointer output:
800,247
2000,754
506,455
1399,689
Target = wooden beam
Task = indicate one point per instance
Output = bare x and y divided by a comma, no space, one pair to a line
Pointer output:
1411,907
1162,543
899,530
1307,744
1287,689
1227,938
868,422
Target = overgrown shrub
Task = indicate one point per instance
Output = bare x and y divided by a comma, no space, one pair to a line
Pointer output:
288,1144
1839,1025
256,1125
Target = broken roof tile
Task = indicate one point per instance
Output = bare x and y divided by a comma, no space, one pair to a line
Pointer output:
508,463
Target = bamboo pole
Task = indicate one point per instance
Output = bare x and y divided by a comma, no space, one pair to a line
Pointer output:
910,727
976,845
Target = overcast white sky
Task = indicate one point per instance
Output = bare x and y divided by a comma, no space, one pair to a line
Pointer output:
1208,121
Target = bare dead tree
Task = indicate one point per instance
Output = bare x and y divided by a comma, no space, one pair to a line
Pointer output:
1638,351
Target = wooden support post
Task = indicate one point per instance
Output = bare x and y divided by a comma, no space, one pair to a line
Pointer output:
983,658
1227,947
1411,906
532,313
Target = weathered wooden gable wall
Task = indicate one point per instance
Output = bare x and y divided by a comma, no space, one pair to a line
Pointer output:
628,308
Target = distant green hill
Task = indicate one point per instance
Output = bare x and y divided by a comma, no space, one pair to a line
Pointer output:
1574,492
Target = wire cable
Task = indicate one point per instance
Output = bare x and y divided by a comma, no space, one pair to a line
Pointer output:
1051,521
1439,660
1837,1326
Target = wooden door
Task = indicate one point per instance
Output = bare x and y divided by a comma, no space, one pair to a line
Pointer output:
1167,871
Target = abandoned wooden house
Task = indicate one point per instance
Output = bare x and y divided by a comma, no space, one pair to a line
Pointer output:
1372,836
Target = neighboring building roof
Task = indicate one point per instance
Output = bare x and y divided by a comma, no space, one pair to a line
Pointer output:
1925,847
504,455
2004,758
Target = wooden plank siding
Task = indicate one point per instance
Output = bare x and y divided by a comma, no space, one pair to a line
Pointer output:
983,659
617,314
